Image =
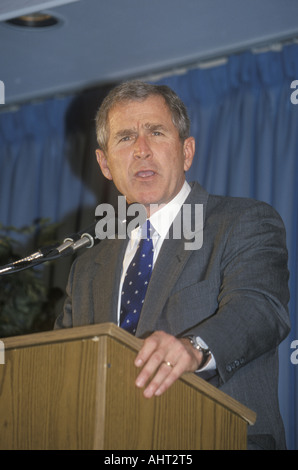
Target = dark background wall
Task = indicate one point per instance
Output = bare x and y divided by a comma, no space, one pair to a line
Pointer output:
232,62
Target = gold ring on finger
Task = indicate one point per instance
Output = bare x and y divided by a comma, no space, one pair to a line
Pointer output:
168,363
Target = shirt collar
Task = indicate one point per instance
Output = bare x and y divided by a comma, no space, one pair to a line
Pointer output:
162,219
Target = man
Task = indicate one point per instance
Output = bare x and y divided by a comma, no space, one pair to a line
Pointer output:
219,310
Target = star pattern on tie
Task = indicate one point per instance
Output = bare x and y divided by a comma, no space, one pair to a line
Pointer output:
136,281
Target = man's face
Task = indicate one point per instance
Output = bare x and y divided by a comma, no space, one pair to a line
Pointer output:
145,156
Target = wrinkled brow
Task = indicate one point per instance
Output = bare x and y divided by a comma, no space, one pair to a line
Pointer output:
155,127
133,131
124,132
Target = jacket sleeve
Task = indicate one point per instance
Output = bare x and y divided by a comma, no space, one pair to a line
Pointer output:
252,316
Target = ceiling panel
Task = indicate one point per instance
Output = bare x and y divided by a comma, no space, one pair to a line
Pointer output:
12,8
103,41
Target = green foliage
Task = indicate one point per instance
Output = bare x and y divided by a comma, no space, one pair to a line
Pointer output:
26,303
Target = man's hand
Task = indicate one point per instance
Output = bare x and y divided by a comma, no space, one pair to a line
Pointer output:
164,359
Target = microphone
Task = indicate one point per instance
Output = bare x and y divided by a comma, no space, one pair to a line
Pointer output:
75,241
84,238
44,251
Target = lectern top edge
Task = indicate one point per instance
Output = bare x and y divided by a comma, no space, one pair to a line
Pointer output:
111,330
70,334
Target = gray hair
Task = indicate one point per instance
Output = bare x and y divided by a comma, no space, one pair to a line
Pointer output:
138,91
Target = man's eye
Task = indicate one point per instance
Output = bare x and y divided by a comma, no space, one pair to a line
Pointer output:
124,139
156,133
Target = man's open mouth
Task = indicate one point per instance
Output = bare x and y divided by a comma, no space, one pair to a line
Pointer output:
145,173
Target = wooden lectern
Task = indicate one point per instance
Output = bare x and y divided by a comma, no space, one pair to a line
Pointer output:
74,389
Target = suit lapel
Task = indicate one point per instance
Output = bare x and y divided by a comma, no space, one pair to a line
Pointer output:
170,263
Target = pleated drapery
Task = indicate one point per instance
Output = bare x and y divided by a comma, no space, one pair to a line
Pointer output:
246,129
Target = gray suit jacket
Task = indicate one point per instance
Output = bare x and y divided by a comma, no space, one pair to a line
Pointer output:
232,292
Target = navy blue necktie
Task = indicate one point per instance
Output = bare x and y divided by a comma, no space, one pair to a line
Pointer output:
136,282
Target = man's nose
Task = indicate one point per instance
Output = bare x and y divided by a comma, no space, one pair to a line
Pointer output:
142,148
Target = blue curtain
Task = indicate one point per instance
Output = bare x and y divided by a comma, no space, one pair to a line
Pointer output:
246,130
47,160
48,170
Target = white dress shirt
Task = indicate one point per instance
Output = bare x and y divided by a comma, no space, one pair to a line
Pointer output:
161,221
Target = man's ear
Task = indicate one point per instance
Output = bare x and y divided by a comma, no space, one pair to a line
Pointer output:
103,163
189,147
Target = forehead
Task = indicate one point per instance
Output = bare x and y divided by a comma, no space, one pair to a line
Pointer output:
135,112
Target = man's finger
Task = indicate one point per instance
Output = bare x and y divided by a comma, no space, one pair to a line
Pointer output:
162,375
151,366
